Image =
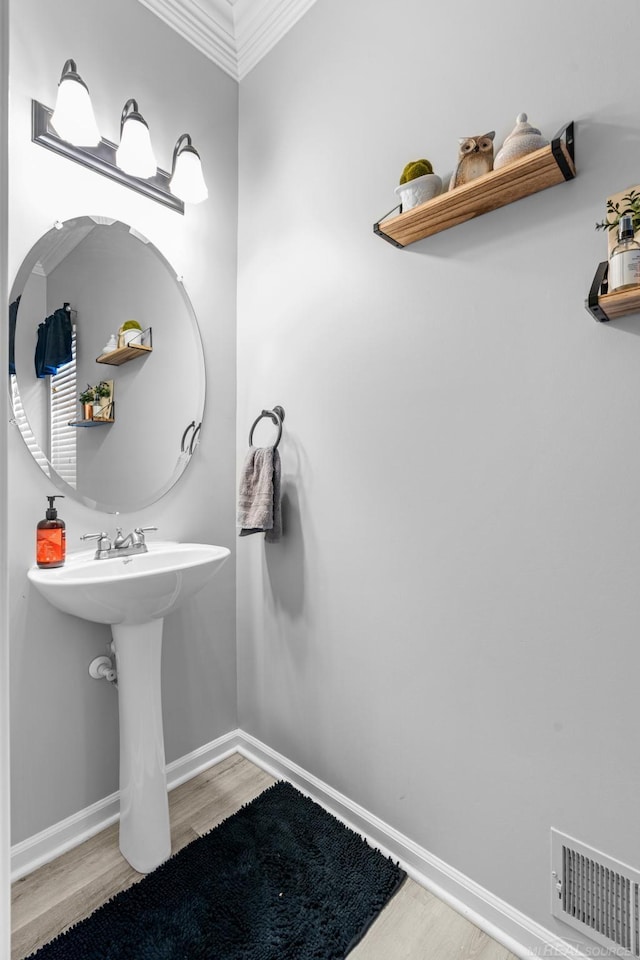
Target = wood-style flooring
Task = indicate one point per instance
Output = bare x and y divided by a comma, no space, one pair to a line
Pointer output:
415,925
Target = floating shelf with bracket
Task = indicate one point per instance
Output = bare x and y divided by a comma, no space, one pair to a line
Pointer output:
89,423
604,306
117,357
536,171
123,354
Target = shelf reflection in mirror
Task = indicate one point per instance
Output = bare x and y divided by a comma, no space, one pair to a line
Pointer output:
106,273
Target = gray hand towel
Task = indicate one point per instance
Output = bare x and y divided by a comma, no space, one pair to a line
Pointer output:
259,508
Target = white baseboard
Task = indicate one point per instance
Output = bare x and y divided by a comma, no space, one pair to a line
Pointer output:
42,847
183,769
518,933
35,851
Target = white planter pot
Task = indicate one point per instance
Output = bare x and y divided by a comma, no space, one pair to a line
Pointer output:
129,335
419,190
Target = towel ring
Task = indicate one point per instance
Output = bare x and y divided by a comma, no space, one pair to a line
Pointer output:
277,415
191,426
195,440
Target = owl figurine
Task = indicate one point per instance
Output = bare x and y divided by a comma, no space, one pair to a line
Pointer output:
475,158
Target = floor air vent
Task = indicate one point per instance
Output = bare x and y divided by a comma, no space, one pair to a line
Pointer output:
596,895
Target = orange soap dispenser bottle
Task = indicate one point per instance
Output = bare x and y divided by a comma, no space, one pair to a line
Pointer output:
51,538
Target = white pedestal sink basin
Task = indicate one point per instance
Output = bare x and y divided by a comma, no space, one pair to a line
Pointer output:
134,594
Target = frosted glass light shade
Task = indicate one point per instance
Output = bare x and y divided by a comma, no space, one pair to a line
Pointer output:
187,180
135,154
73,118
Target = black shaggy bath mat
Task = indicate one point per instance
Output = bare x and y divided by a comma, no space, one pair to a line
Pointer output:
281,879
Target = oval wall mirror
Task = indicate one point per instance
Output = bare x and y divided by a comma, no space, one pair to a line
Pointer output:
78,287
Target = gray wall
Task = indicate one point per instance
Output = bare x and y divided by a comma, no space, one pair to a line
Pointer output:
448,633
64,726
5,924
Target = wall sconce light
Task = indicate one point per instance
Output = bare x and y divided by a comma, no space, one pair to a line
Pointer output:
73,116
132,163
135,154
187,180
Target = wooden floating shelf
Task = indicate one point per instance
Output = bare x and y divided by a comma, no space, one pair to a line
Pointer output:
534,172
117,357
88,423
605,306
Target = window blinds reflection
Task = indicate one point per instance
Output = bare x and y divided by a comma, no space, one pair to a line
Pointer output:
62,410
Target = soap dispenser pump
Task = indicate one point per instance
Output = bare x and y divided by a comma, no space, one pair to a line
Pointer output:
51,537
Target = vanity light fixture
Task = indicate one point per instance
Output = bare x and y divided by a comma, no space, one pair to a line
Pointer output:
73,117
101,159
135,154
187,180
71,131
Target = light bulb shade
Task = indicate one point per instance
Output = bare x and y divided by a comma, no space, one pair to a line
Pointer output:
73,118
135,154
187,181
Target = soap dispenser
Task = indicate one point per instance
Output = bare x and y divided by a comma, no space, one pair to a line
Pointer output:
51,538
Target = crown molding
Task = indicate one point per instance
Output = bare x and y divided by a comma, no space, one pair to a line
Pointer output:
234,34
61,243
260,25
208,26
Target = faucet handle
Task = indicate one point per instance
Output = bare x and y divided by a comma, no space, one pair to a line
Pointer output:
139,533
95,536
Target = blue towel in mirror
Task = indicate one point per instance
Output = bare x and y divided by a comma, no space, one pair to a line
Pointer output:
53,346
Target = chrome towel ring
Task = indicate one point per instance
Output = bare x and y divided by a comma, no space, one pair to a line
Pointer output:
194,438
277,415
191,426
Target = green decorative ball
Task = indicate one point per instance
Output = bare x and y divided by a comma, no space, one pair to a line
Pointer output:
415,168
131,325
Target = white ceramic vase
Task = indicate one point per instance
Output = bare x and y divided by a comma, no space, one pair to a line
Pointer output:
522,140
417,191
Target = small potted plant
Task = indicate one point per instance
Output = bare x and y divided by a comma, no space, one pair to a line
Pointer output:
86,398
418,183
130,330
101,400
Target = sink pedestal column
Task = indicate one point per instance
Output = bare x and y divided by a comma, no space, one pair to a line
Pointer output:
145,838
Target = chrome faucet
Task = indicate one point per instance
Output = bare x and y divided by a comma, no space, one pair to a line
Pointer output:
133,543
120,542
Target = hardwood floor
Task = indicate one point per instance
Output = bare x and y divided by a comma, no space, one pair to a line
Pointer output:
415,925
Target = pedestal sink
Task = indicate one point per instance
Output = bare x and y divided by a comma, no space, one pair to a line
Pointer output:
133,594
